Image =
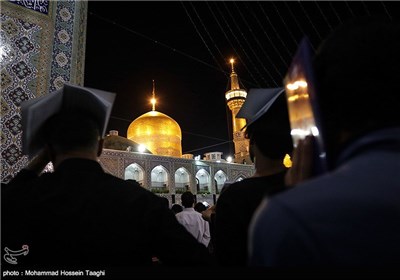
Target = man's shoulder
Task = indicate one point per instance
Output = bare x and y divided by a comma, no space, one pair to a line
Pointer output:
254,182
118,185
234,187
188,213
248,187
319,199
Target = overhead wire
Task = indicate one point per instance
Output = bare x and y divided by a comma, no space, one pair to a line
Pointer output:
206,147
204,136
365,8
233,33
387,12
335,12
208,33
275,31
155,41
289,31
201,37
349,8
312,24
248,44
224,33
260,46
269,39
297,23
220,68
323,15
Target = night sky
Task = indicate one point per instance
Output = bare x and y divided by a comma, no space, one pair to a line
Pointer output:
185,47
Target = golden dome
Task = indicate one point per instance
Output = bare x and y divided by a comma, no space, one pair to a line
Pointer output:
158,132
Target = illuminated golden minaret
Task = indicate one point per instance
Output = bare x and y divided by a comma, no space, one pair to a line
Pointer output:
235,98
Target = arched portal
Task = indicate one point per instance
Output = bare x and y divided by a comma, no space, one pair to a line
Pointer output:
220,179
182,180
204,181
135,172
159,179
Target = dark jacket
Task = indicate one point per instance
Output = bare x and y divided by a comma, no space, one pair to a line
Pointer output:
235,208
349,217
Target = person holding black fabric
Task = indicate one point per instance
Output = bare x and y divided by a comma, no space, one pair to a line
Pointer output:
270,141
81,217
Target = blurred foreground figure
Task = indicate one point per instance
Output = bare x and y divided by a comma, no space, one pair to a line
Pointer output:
351,215
80,216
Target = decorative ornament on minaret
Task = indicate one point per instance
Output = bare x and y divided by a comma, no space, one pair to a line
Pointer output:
235,98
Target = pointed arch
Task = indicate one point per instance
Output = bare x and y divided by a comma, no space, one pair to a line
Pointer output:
159,179
203,177
182,180
220,179
135,172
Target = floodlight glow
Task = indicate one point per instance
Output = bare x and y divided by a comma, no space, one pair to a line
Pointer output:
6,52
314,131
299,132
296,85
141,148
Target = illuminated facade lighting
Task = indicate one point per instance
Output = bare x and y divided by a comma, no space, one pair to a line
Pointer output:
236,93
141,148
296,85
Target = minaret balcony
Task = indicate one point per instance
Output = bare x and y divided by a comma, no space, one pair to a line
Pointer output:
236,94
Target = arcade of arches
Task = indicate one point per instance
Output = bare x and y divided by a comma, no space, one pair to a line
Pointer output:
160,179
171,176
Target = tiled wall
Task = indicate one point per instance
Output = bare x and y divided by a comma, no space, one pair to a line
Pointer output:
45,47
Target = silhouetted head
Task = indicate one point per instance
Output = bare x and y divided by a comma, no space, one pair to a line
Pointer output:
271,132
176,208
165,201
187,199
65,132
357,74
200,207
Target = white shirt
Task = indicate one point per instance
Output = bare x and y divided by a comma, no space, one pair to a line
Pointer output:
195,224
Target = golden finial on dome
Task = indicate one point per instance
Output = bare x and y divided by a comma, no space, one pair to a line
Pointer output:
153,99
